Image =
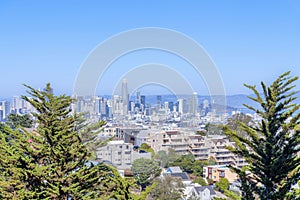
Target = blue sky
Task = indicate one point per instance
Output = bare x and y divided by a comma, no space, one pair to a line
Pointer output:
47,41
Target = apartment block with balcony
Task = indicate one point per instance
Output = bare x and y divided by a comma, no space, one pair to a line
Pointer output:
216,172
119,154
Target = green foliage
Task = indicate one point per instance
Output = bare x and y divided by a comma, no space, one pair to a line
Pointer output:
214,129
198,167
270,146
233,123
210,181
165,158
52,162
2,125
231,195
144,171
199,164
89,132
188,164
144,194
200,181
15,120
203,133
167,188
223,184
185,162
147,148
295,193
162,158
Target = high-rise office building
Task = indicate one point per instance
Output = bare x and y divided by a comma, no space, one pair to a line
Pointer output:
193,104
125,97
143,100
158,100
5,107
16,104
117,105
182,106
138,97
171,106
103,110
97,105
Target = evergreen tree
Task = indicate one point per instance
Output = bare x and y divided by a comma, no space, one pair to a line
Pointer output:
271,146
15,120
53,162
89,133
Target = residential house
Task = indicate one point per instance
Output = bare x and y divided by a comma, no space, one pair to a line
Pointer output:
216,172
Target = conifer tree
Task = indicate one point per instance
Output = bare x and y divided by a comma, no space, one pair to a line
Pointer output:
271,146
53,162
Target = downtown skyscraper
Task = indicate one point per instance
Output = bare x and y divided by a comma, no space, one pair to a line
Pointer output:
125,96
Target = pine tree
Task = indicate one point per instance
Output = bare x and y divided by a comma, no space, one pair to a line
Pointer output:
271,146
53,162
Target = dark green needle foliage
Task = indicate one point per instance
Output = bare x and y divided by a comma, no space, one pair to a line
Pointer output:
15,120
271,146
53,162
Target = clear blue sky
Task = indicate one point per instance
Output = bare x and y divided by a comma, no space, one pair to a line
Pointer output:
47,41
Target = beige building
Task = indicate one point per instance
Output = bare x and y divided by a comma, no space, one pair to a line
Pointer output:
216,172
186,141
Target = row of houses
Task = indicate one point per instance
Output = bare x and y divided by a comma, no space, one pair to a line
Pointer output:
191,189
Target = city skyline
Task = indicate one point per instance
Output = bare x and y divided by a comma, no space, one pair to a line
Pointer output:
248,41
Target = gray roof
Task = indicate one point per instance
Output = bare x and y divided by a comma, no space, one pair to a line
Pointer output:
202,188
182,175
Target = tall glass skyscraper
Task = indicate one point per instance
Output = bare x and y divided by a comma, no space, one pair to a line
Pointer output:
125,97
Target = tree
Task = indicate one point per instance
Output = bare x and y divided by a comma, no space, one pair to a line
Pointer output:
233,123
200,181
144,171
89,133
199,164
271,146
2,125
214,129
223,184
167,188
15,120
185,162
295,193
147,148
52,162
165,158
162,158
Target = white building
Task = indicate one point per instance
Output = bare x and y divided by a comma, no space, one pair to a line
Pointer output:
120,154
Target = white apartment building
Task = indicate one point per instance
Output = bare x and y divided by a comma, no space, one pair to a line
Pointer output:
120,154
